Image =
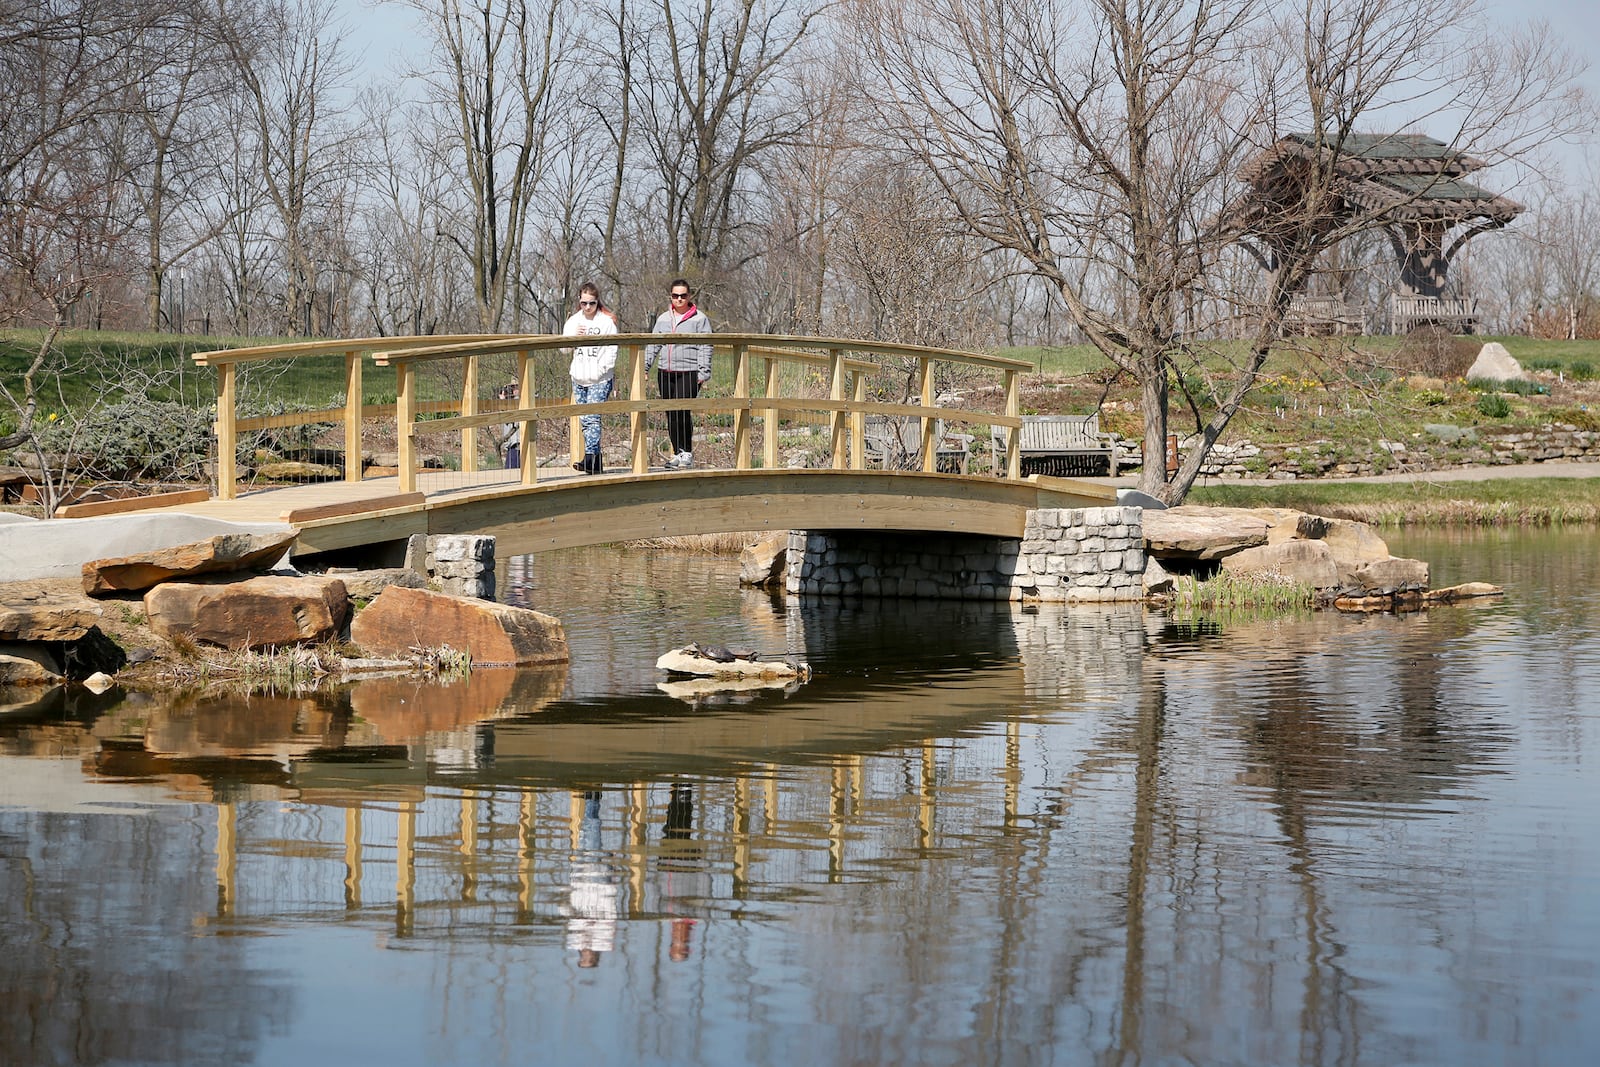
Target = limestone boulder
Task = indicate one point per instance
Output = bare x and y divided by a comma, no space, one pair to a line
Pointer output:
1286,524
762,563
1156,579
1305,561
493,634
366,585
1465,591
26,664
1201,533
294,470
1391,575
1128,497
1354,544
1495,364
223,554
46,620
266,612
688,661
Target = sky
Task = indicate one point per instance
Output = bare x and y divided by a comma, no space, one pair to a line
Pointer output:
385,31
386,28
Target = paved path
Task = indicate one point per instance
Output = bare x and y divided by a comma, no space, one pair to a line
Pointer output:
1455,474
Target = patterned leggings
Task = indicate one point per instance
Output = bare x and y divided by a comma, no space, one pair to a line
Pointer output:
598,393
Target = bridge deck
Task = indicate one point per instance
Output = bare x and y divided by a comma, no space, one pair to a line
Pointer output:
567,509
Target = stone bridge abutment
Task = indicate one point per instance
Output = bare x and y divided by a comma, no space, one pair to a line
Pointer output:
1066,555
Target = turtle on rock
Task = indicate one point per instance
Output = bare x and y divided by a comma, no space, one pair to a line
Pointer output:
717,653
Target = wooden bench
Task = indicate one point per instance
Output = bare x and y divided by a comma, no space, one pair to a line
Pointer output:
1063,446
895,443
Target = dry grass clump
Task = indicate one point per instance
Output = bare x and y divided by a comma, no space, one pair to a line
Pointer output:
269,670
1436,352
1457,512
722,544
1508,502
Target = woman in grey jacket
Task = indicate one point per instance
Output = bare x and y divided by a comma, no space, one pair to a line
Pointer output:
683,367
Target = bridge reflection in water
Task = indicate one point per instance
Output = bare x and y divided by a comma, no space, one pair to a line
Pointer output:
1039,783
456,805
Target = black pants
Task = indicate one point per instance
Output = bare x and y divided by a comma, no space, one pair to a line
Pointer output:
679,385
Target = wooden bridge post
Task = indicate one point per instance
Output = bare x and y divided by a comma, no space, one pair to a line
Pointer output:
637,423
741,416
527,432
769,416
1013,433
741,836
930,424
227,431
638,831
469,406
405,418
836,419
352,416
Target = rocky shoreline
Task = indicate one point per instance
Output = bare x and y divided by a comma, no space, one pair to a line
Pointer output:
152,615
205,608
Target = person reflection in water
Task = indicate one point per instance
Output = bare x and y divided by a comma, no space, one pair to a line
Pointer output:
592,901
681,861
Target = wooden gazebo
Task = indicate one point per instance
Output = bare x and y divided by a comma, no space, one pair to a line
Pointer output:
1412,186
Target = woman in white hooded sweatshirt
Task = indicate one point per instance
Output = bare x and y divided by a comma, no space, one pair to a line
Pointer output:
593,369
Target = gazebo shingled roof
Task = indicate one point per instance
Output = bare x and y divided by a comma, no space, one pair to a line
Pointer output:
1411,185
1406,176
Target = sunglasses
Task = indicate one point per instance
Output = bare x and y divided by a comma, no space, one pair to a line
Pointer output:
679,296
588,303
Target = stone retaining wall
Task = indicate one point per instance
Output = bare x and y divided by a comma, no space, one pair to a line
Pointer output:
1077,554
1444,448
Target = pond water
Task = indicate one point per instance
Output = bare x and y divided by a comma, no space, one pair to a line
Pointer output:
978,836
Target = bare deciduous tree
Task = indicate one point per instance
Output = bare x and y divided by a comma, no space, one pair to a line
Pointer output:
491,97
1103,143
290,60
711,100
65,69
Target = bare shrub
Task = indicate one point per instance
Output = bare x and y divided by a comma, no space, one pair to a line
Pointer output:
1436,353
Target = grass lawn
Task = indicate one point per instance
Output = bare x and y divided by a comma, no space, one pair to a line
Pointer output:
1295,354
1320,401
1493,502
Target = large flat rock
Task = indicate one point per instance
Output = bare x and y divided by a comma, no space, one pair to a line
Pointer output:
1305,561
58,548
684,661
46,620
762,563
267,612
222,554
400,619
1192,531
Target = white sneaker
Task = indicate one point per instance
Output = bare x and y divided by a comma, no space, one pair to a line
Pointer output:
683,460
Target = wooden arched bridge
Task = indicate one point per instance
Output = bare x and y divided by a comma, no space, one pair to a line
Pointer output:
794,432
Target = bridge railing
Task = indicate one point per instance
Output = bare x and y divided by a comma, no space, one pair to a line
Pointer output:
305,384
757,403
